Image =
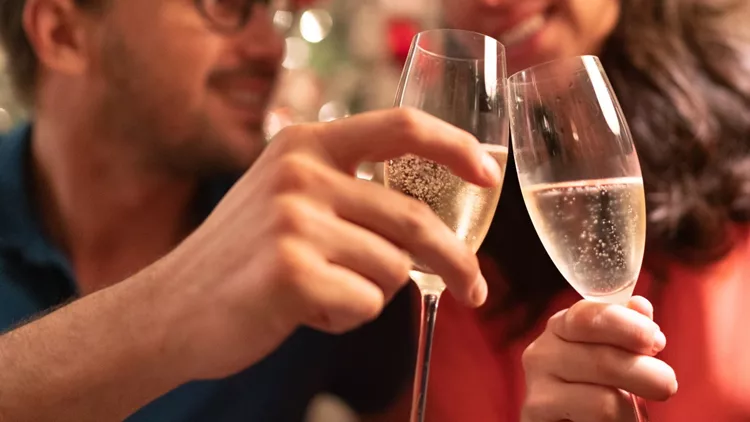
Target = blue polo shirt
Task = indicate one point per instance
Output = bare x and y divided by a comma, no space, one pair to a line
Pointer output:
368,368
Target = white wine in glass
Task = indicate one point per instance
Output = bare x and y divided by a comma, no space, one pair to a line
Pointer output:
465,208
594,231
580,177
459,77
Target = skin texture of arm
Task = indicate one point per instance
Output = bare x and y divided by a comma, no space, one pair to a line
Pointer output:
97,359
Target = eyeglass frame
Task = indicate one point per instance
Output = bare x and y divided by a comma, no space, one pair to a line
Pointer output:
245,13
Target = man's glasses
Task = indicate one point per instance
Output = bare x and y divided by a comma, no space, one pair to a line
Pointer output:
233,15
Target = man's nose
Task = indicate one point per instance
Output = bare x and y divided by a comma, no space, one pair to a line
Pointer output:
259,39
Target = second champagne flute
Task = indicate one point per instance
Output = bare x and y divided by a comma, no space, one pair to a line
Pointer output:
460,77
580,177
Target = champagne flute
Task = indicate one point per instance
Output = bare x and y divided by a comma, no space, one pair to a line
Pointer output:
460,77
580,177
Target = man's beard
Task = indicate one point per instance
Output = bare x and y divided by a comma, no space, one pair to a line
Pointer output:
135,110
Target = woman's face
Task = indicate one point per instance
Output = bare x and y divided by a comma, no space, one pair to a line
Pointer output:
536,31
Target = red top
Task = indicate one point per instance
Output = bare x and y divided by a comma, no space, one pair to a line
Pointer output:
705,314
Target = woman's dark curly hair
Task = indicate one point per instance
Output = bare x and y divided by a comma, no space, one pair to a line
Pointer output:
681,70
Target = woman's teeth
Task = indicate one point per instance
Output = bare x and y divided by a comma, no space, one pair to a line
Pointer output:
246,98
523,30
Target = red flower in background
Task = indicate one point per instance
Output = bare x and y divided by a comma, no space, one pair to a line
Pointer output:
401,31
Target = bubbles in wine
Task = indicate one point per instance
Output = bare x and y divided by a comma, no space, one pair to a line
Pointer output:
594,231
465,208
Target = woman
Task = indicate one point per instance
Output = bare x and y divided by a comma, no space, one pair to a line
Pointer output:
681,70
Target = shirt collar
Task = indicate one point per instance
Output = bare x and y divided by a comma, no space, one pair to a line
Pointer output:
20,227
19,220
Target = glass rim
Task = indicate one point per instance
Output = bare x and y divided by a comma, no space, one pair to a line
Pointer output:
418,36
514,79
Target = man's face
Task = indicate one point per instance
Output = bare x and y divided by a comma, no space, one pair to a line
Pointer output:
536,31
187,96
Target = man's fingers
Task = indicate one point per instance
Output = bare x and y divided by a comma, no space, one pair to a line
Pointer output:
404,222
598,323
340,300
411,225
360,250
387,134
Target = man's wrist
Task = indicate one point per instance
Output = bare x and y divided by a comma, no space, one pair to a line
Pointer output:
163,315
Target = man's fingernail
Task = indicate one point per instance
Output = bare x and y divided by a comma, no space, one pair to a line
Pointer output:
479,295
660,341
491,168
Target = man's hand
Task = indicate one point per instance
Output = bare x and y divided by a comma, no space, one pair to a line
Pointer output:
591,354
300,241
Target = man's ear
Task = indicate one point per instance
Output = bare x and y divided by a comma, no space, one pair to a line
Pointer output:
56,31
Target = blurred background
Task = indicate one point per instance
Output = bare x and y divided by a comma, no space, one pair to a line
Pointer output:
9,109
344,57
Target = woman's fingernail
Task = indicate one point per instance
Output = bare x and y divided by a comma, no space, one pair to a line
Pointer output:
491,168
660,341
479,295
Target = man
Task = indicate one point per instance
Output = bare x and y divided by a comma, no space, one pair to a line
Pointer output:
142,109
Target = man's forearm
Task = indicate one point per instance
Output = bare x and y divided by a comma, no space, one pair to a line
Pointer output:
97,359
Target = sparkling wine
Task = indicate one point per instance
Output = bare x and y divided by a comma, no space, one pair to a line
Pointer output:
594,231
465,208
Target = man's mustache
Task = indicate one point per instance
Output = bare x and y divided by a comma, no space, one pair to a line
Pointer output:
253,70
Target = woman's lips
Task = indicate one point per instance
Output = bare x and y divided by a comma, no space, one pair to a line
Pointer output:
523,30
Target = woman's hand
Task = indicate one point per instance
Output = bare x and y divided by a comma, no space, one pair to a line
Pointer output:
589,356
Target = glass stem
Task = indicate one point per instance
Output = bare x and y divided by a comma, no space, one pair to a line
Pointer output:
422,369
639,408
